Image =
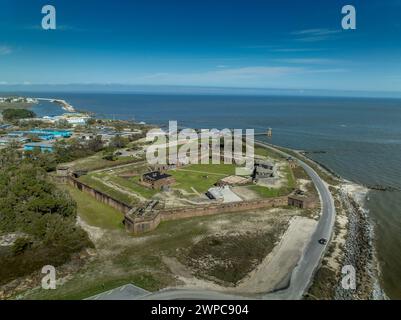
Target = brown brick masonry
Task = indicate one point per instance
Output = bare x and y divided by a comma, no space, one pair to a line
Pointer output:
137,224
100,196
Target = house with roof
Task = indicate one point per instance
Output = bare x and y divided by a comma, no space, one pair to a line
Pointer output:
7,140
157,180
43,146
264,170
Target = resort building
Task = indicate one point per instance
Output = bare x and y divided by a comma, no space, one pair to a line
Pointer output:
7,140
43,134
72,118
43,146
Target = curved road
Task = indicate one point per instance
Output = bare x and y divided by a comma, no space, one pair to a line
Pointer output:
301,276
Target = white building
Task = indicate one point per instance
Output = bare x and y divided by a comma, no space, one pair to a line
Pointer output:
224,194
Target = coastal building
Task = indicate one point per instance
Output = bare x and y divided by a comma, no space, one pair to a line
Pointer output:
157,180
57,133
300,200
264,170
43,146
7,140
223,194
263,173
43,134
86,136
72,118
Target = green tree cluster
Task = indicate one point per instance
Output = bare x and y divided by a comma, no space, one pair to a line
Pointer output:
16,114
32,205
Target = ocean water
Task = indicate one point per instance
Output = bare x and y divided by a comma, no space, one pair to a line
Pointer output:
361,138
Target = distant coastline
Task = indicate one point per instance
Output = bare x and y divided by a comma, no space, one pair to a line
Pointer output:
64,104
28,102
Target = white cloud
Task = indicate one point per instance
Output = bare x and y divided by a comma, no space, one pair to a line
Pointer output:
313,35
314,61
5,50
223,76
296,49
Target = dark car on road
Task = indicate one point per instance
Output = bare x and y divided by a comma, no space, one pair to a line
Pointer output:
323,241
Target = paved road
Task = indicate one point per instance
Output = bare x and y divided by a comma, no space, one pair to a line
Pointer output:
302,274
125,292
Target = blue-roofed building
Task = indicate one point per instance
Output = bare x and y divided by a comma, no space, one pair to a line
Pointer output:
44,134
55,132
43,146
5,141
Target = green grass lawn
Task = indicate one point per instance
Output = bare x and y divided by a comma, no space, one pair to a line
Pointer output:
136,261
123,197
96,161
222,169
264,152
266,192
201,176
133,185
94,212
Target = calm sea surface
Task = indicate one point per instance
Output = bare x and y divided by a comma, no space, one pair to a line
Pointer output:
362,138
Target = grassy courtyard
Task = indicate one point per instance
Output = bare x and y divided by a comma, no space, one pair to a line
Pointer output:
200,176
265,192
102,185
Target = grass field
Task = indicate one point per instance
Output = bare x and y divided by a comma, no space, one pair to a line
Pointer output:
201,176
112,192
126,259
96,162
94,212
264,152
266,192
133,185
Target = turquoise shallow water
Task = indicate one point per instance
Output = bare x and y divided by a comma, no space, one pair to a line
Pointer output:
362,138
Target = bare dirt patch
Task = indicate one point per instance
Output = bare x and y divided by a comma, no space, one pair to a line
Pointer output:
245,193
275,270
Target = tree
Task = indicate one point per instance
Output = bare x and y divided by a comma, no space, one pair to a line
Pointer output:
20,245
31,204
118,142
63,124
16,114
95,144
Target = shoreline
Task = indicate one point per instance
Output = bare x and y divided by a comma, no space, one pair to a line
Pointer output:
363,235
64,104
29,102
360,239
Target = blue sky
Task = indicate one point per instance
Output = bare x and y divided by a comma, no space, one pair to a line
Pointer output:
256,44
